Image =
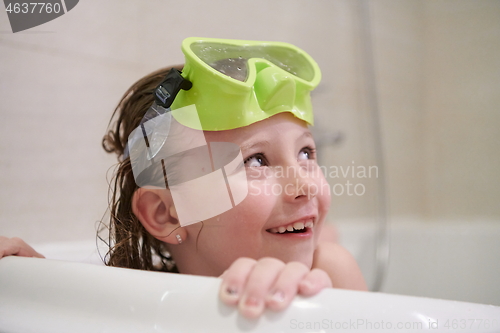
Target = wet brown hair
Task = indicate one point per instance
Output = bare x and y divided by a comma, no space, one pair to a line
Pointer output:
130,245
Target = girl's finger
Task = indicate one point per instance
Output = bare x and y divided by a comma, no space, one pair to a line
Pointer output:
258,285
234,279
314,282
16,247
286,286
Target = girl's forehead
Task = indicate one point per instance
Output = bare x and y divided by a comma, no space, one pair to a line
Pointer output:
277,125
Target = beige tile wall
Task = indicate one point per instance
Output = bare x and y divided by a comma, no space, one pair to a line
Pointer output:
462,109
437,83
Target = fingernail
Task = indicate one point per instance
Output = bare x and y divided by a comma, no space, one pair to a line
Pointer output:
231,291
278,296
251,307
252,302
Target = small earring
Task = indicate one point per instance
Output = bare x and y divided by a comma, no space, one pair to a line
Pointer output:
179,239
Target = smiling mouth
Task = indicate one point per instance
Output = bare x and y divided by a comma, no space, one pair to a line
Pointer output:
293,228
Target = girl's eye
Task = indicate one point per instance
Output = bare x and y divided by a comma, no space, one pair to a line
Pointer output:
307,153
254,161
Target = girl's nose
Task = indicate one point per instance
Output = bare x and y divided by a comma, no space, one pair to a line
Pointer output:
298,183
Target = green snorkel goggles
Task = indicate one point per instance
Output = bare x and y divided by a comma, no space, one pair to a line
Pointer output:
225,84
237,83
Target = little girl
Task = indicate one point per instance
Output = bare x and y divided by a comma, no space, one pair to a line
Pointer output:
217,176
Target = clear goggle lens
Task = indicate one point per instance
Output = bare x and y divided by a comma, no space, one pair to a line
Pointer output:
232,60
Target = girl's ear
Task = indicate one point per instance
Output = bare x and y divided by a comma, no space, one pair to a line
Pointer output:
155,210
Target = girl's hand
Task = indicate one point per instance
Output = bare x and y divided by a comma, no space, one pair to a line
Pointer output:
268,283
16,247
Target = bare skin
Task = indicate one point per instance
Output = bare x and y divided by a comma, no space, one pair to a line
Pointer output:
261,265
16,247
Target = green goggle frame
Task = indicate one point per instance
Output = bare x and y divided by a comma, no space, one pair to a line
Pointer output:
236,83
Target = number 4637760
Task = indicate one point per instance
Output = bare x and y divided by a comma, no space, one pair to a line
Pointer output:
33,7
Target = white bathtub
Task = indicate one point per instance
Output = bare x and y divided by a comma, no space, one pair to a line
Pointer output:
454,260
42,295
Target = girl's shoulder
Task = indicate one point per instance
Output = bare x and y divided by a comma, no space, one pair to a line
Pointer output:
340,265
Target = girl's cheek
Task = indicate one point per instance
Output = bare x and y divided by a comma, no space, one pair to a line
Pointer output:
259,189
254,188
323,196
260,200
325,193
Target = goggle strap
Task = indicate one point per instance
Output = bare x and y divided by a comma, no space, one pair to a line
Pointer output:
166,91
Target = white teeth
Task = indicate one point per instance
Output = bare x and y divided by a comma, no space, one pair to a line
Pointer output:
298,225
292,227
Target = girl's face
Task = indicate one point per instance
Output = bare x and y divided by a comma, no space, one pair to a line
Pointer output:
286,191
